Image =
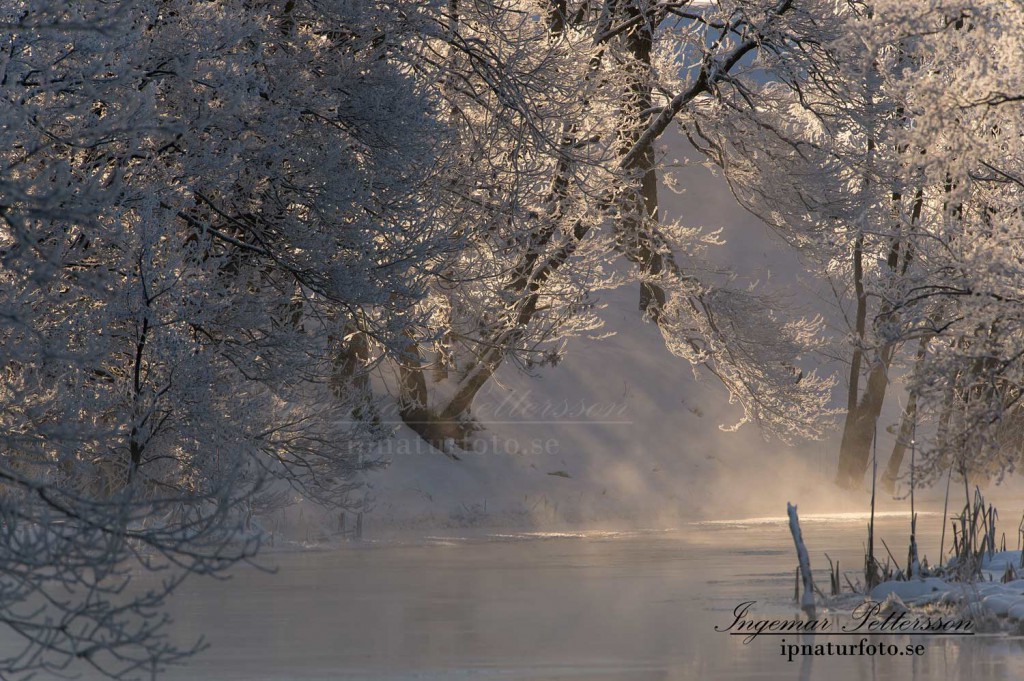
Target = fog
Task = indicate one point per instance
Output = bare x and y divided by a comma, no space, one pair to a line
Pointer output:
629,606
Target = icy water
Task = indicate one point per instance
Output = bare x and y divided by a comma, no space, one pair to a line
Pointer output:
636,606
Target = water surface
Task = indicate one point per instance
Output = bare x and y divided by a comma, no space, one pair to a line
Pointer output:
631,606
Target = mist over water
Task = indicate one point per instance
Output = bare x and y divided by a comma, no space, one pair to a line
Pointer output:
542,606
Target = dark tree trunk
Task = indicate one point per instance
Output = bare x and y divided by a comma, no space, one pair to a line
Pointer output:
862,413
640,206
849,460
855,449
414,405
906,432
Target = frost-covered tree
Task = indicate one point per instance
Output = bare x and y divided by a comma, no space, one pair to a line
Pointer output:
557,115
886,150
963,301
201,204
813,151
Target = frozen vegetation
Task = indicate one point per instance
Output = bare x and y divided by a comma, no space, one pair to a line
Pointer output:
298,272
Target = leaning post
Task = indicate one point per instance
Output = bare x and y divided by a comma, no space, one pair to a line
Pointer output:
807,601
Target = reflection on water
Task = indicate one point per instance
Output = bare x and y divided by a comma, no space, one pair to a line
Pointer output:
635,606
823,518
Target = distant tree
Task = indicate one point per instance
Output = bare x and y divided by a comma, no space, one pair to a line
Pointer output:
885,150
964,301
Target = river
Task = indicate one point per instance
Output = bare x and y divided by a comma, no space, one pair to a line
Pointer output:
595,605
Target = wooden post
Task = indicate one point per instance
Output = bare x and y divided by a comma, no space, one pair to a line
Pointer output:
807,601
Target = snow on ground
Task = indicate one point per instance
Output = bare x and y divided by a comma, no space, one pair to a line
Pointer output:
988,601
914,591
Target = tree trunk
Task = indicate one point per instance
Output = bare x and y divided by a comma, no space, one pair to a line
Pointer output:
862,415
855,449
652,296
414,403
349,378
640,206
906,431
848,462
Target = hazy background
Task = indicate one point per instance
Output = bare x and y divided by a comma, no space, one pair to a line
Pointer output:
652,449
